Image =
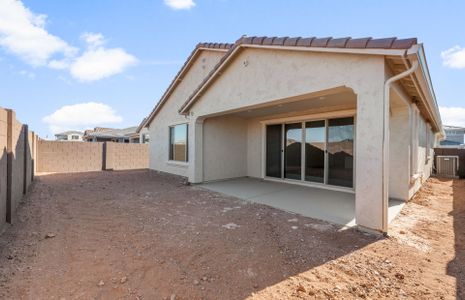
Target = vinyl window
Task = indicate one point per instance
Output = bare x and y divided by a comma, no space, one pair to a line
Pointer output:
178,143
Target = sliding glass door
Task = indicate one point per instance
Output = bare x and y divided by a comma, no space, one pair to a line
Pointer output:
293,151
273,150
341,151
315,147
320,151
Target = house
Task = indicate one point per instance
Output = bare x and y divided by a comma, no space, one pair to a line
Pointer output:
356,116
72,135
454,137
126,135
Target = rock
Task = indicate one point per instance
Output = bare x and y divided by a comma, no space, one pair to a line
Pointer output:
173,297
101,283
402,232
204,278
196,282
400,276
300,288
123,279
255,286
10,257
50,235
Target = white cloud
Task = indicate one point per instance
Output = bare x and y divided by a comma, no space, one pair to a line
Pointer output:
23,33
93,40
180,4
81,116
99,63
27,74
453,116
454,57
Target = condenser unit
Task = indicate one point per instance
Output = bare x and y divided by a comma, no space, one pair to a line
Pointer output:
447,165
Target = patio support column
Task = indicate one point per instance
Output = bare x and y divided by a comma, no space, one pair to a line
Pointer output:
196,155
369,156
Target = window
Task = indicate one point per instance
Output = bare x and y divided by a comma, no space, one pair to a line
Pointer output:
75,137
178,142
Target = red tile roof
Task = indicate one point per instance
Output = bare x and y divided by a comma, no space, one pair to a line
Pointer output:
329,42
326,42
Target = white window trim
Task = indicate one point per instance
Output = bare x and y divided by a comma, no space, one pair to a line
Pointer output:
178,162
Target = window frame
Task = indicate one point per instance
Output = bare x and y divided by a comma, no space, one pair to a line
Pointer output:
171,136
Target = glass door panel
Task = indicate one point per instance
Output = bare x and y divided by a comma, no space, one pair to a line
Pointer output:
293,151
273,150
315,144
341,151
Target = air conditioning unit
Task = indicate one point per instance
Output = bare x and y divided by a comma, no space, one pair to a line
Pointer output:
447,165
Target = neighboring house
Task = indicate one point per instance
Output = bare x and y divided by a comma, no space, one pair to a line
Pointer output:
72,135
454,137
352,115
126,135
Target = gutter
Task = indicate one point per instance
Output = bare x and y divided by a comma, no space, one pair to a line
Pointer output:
385,179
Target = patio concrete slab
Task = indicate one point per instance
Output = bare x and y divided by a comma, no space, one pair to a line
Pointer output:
333,206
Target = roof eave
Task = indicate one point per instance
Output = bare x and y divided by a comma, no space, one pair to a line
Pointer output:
367,51
423,76
189,62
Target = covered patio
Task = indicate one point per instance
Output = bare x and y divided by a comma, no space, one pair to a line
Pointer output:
328,205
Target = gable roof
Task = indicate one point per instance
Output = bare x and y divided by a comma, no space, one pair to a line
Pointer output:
329,44
178,78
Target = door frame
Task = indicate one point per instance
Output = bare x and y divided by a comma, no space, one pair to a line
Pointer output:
304,118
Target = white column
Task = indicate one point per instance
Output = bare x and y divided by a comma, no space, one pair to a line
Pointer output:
196,151
369,156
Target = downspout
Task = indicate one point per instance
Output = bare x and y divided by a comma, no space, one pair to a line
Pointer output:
385,179
411,111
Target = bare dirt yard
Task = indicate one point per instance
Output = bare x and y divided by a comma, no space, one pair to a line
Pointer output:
142,235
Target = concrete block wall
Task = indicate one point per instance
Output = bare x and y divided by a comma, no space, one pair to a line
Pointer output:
126,156
16,163
72,157
69,157
3,166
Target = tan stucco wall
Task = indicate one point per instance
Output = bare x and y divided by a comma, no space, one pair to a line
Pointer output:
259,76
254,148
225,146
168,115
121,156
424,164
69,157
399,153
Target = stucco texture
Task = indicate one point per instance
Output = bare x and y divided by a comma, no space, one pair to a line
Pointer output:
225,143
169,116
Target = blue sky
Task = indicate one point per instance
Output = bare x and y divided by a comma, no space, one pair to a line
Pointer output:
107,62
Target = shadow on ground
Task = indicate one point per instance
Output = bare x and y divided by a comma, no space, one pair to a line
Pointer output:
456,267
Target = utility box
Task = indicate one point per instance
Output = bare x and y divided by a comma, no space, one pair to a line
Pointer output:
447,165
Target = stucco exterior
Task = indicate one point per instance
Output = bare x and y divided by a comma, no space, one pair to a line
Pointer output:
168,115
227,119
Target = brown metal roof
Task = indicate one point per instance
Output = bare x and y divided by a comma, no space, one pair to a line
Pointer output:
326,42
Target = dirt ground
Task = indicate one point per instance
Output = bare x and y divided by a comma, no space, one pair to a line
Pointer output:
142,235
